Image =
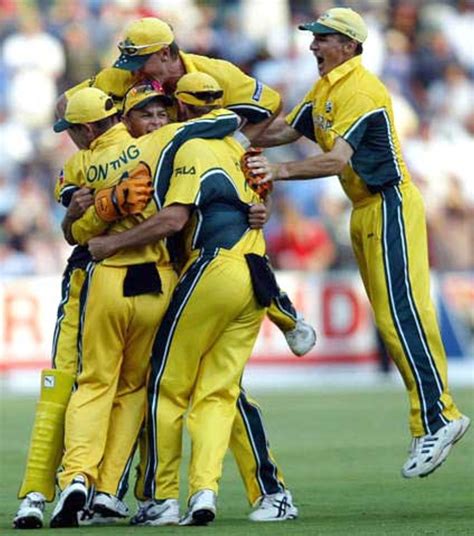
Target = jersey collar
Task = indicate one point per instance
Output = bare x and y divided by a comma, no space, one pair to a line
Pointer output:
342,70
189,66
110,136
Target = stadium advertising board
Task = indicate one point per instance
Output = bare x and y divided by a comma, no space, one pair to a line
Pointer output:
335,304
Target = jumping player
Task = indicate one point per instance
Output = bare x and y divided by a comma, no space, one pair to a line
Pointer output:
348,112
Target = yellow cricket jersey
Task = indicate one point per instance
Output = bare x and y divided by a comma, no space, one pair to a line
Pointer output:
207,175
353,104
243,94
114,154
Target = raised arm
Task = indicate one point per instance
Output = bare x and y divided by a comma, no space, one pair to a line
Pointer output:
278,132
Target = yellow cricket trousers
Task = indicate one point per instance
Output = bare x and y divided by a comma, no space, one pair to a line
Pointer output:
198,358
388,233
106,411
65,337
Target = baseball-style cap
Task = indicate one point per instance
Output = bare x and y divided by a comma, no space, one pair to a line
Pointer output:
143,37
339,20
140,95
198,89
87,105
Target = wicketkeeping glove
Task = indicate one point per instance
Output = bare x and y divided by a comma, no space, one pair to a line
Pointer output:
253,179
128,197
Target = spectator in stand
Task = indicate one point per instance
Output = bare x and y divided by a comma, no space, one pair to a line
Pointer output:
300,243
34,59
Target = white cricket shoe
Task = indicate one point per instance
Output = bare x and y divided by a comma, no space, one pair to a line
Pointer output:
109,506
275,507
428,452
30,513
71,501
156,513
301,338
202,508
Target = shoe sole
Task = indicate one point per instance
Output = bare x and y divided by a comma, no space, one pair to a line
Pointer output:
28,522
107,512
275,519
447,449
67,517
203,517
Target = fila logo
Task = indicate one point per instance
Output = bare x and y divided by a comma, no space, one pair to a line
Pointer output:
185,171
49,382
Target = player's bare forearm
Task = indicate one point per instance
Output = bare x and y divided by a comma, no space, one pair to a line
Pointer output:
278,132
167,222
323,165
254,131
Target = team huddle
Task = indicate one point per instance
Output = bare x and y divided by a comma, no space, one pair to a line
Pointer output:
165,291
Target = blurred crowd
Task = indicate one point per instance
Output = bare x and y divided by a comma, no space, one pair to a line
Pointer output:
423,50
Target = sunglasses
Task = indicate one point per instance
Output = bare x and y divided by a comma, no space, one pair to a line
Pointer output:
133,50
205,96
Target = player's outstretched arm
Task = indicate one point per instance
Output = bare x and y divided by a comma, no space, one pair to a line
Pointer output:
322,165
278,132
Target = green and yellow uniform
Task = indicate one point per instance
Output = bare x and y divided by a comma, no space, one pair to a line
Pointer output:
212,322
388,230
124,299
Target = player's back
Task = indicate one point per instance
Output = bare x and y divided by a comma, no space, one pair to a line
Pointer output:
208,175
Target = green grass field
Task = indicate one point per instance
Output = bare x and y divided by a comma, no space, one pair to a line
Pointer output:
341,453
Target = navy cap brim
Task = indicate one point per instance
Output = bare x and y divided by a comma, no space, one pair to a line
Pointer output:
131,63
317,28
61,125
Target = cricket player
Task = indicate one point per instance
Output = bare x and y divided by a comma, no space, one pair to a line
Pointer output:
207,181
348,112
46,445
149,51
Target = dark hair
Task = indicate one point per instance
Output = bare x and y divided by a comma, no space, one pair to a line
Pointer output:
174,50
346,39
103,125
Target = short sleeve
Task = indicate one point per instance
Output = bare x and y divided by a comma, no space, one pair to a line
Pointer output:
352,118
301,117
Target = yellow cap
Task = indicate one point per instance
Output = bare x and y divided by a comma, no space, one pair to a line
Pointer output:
143,37
140,95
87,105
339,20
198,89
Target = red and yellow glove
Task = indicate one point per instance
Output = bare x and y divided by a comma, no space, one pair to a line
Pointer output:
251,177
128,197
